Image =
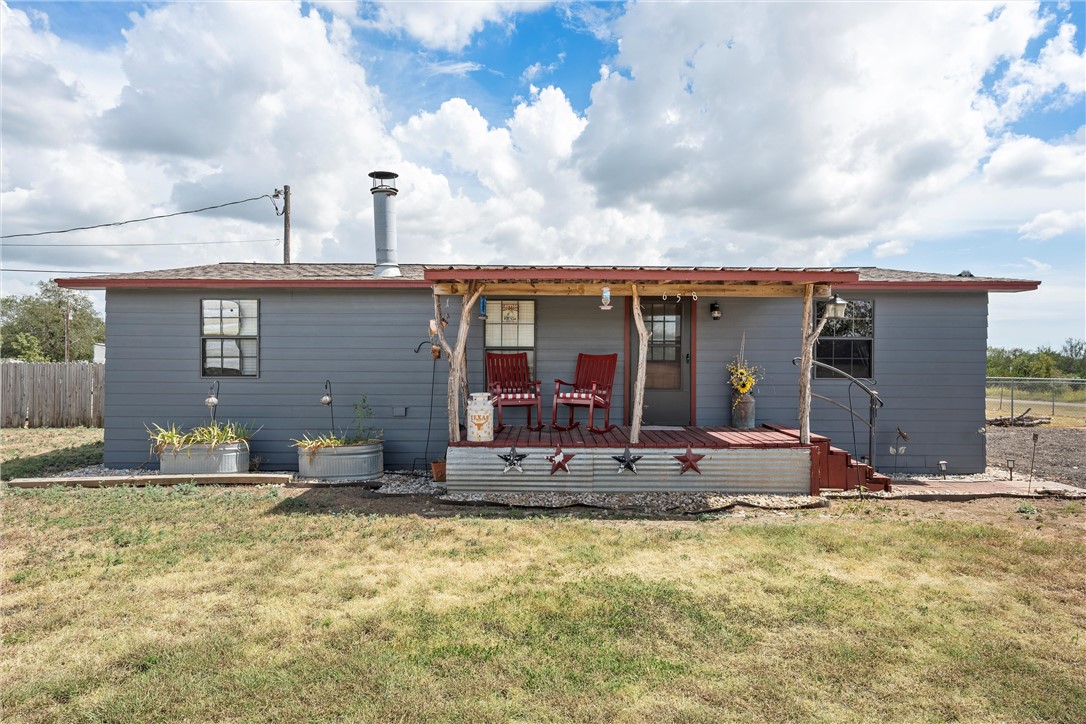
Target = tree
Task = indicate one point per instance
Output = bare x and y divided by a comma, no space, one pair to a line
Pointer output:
1070,361
33,325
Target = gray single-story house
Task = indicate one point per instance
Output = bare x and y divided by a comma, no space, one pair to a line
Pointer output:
272,334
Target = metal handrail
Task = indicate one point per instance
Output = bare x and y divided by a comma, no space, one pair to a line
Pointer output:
874,403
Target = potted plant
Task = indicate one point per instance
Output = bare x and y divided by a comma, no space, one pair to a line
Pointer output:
218,447
343,456
743,377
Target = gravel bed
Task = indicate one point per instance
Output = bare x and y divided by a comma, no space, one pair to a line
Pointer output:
101,471
642,502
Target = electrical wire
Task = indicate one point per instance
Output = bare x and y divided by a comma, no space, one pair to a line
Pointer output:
155,243
146,218
56,271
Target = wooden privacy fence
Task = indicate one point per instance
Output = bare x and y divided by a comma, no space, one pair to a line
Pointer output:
52,394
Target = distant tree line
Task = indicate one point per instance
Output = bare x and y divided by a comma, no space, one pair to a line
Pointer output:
1069,361
32,325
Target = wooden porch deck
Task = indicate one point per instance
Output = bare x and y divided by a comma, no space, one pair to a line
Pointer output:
652,436
768,459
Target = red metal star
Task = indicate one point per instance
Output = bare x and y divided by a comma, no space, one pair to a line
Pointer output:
560,461
689,461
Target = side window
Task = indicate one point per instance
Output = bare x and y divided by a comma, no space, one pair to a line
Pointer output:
847,343
230,337
510,327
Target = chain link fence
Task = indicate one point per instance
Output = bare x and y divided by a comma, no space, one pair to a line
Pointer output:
1063,400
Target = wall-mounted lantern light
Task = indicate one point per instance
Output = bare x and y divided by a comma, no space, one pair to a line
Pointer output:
835,308
714,311
212,400
605,299
482,308
326,400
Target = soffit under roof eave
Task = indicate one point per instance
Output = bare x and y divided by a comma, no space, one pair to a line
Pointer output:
640,276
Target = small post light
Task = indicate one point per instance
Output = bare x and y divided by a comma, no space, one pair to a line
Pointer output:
482,308
1032,460
605,299
1010,467
942,468
326,400
714,311
835,309
212,400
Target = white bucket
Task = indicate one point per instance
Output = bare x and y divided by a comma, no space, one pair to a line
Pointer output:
480,418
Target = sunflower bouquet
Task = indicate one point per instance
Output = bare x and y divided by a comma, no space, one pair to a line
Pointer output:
744,375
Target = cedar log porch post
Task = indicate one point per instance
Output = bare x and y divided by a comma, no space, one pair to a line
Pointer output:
810,336
642,359
458,378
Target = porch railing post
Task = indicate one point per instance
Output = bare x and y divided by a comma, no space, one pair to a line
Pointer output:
809,335
642,360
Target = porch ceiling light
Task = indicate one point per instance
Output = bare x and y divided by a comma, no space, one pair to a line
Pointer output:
714,311
835,308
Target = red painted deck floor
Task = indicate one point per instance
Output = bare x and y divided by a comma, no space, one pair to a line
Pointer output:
651,437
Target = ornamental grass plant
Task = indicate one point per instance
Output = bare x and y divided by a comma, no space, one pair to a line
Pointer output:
213,434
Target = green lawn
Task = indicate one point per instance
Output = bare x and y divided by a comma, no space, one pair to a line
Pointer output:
207,604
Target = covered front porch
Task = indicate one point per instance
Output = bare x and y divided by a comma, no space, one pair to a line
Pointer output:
767,459
656,452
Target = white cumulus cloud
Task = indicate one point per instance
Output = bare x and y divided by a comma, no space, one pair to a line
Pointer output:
894,247
1052,224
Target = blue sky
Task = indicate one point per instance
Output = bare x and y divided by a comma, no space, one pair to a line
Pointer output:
934,137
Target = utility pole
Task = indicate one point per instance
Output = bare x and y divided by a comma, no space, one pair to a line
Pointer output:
67,331
286,224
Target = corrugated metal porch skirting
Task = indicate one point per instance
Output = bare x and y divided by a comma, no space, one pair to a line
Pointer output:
592,470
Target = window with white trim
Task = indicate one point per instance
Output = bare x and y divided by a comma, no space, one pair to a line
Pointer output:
510,327
847,343
230,337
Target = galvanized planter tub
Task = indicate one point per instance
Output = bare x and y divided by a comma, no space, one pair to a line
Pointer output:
232,457
349,462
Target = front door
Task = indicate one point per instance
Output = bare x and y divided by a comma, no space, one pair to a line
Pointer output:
667,373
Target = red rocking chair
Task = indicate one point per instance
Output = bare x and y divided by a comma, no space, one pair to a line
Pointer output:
510,384
591,388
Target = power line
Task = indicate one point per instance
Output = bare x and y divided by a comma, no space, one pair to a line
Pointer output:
147,218
164,243
57,271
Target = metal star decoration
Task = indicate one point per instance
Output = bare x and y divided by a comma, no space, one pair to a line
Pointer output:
626,461
689,461
513,460
560,460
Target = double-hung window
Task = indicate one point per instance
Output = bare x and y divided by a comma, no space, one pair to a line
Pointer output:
510,327
230,337
847,343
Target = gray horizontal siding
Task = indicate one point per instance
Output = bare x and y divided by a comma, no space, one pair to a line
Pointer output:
929,359
363,342
929,365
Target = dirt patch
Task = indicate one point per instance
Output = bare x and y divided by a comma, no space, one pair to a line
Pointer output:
1061,452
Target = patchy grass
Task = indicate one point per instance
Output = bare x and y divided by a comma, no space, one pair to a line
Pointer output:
44,451
250,604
